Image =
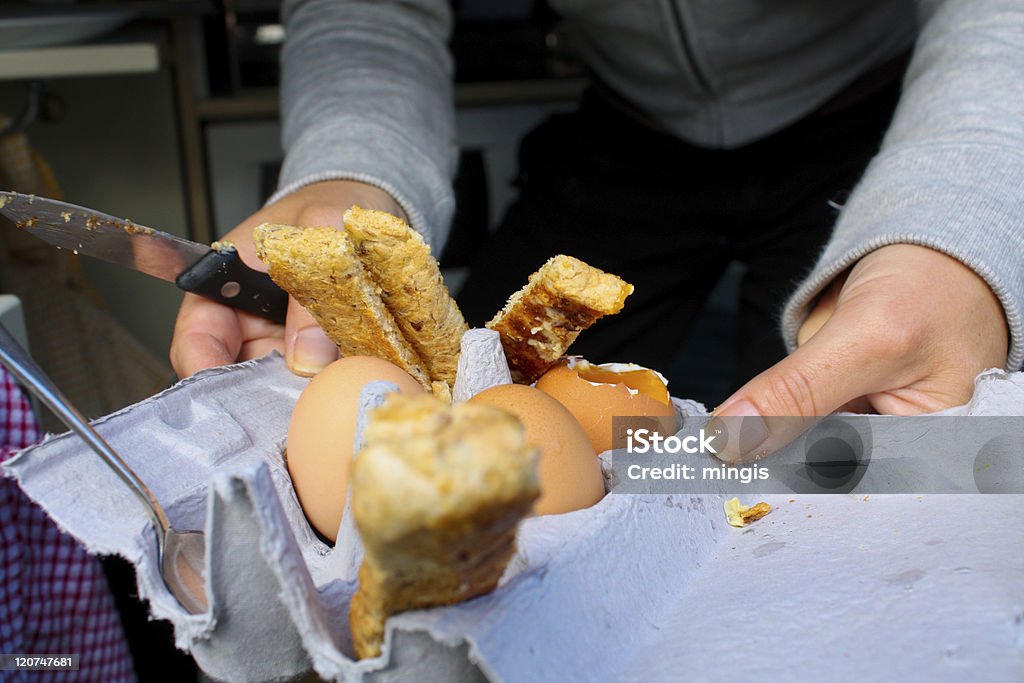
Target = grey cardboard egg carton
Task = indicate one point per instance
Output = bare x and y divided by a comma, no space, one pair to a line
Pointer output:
638,587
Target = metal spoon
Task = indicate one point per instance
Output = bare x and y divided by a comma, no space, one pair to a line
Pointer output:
181,553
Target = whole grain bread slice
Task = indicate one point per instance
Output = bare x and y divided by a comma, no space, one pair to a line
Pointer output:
319,267
541,320
399,261
437,495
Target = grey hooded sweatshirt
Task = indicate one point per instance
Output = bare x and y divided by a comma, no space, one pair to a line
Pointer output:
367,95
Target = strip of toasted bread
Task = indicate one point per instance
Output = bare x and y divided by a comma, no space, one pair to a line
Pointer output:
542,319
437,494
399,261
319,267
441,390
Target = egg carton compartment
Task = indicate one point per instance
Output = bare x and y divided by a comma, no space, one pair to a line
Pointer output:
637,587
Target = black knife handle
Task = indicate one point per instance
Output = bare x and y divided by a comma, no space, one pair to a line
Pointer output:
222,277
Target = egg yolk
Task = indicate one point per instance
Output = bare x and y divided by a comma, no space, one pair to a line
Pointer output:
642,381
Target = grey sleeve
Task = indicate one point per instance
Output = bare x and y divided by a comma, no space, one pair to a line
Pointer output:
950,171
367,95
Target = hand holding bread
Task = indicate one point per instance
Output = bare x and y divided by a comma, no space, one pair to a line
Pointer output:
208,334
374,289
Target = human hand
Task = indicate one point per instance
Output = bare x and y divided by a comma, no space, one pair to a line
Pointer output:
208,334
905,331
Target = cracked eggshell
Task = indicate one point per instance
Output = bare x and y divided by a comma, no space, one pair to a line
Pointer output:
594,394
321,435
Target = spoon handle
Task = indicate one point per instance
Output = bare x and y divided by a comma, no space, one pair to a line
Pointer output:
20,364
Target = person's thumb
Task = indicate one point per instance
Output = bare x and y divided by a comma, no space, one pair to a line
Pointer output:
307,350
775,407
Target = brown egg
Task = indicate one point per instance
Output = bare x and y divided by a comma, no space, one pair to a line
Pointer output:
594,394
321,435
569,471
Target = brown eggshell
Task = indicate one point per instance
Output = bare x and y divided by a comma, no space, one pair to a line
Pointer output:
569,471
595,404
321,435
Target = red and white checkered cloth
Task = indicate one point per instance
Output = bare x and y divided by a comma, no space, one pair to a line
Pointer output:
54,597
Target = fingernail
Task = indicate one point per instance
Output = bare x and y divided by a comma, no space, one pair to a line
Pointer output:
745,430
312,352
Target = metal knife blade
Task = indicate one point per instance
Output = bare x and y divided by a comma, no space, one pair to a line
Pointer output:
217,274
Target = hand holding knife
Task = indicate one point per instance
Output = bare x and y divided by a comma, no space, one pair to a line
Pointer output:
216,273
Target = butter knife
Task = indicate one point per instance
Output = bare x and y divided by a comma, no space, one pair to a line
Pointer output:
216,273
